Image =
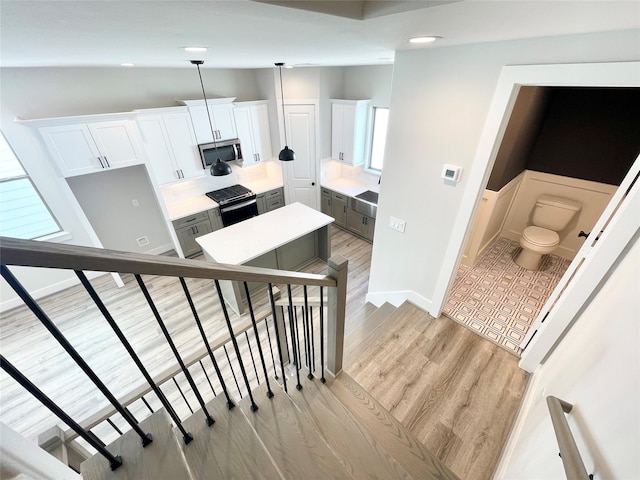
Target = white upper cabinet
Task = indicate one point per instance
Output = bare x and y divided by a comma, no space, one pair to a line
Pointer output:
252,122
222,120
81,148
348,130
170,143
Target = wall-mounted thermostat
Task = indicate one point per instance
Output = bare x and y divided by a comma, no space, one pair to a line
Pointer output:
452,173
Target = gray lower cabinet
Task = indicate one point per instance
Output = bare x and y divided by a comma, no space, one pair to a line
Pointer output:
193,226
325,198
270,200
339,208
361,224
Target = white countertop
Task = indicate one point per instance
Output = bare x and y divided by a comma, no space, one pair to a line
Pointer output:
348,187
197,204
244,241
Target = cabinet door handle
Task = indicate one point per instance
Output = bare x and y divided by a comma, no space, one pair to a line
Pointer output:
344,209
329,202
196,227
258,155
101,164
181,174
106,160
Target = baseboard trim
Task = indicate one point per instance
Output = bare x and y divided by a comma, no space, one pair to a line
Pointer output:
398,298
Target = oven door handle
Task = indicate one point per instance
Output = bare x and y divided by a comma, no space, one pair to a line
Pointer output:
237,206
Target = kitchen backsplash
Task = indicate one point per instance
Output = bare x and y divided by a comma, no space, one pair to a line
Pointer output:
332,169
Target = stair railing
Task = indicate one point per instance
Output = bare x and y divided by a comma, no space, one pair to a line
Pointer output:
60,256
571,460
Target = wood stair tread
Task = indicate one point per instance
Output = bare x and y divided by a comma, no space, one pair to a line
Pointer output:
161,459
362,456
412,455
289,436
228,449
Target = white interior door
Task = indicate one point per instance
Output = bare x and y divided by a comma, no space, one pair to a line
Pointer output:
610,235
300,174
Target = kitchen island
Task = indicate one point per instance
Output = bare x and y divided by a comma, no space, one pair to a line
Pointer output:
286,239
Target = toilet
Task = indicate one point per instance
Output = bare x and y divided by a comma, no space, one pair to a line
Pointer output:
550,216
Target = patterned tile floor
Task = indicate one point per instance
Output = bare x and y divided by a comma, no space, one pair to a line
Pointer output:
500,300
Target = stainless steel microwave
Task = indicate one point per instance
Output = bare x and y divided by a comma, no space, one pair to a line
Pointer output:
226,151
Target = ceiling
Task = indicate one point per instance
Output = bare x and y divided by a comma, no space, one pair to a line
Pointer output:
255,34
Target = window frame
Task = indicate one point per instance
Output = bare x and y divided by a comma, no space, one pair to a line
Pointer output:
58,233
372,139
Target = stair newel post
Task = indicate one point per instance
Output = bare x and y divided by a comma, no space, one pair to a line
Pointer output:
129,348
230,403
254,407
209,419
73,353
322,379
114,460
277,329
309,334
295,344
337,300
255,333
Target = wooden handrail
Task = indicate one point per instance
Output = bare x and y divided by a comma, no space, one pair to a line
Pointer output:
32,253
572,461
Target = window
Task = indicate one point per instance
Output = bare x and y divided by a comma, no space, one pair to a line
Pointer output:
379,137
23,213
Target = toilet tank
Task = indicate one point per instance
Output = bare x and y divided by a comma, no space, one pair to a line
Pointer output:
554,213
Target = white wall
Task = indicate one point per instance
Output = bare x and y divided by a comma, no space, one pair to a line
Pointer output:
603,386
439,103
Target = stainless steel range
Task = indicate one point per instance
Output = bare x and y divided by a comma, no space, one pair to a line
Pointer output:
237,203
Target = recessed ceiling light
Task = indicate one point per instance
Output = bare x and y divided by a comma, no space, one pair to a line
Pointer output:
126,65
424,39
195,49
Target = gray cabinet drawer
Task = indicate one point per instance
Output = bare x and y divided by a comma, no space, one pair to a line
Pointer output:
191,219
275,202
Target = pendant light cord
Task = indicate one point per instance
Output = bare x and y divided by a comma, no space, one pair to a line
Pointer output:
284,119
206,105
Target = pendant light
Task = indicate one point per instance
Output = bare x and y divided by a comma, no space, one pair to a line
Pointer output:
218,168
286,154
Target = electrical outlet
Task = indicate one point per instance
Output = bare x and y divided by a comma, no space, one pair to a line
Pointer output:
142,241
397,224
135,202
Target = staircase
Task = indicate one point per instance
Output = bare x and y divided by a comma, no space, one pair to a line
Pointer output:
293,424
332,430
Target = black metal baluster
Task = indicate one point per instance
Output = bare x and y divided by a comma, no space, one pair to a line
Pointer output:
115,427
297,334
96,439
57,334
230,403
147,404
307,328
183,395
273,360
125,343
255,333
313,342
294,329
185,370
206,375
275,326
253,361
114,461
233,372
322,379
254,407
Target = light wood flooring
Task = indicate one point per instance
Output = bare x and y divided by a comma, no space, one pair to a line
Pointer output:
437,380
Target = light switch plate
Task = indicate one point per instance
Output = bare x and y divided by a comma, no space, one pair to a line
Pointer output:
397,224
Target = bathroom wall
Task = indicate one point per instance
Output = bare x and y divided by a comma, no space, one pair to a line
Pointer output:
490,218
519,136
593,196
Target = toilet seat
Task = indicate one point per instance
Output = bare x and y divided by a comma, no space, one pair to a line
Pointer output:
541,237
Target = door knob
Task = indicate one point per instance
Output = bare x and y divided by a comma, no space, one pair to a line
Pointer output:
313,184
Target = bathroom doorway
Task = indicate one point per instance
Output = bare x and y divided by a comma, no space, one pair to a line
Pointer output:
554,143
